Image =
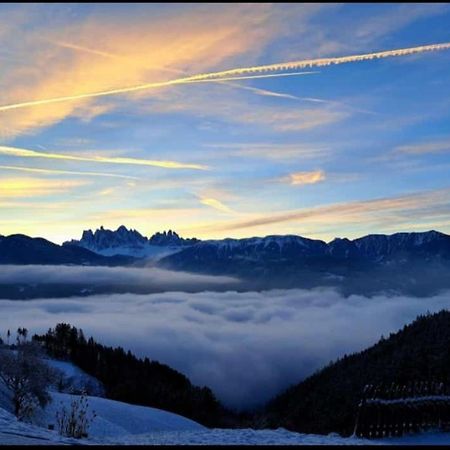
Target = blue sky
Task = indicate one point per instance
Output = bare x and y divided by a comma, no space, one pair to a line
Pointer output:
348,150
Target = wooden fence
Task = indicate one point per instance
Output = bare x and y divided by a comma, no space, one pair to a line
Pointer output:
394,410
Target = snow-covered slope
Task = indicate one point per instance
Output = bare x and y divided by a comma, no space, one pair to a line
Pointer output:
234,437
76,380
13,432
113,419
109,432
119,419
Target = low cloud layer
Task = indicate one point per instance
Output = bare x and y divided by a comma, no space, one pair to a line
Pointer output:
134,278
246,346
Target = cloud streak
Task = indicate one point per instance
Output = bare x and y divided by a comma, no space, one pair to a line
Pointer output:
26,153
149,278
235,74
66,172
440,146
32,187
216,204
427,203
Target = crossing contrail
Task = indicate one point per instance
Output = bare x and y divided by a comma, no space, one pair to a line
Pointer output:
239,72
320,62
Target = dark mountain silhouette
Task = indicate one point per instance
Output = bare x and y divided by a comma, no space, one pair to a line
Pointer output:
21,249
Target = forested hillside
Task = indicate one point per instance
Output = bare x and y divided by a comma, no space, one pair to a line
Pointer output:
327,401
133,380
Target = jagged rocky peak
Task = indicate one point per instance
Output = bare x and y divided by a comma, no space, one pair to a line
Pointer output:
169,238
103,238
128,241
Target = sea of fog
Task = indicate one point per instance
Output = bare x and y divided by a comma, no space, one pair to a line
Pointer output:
246,346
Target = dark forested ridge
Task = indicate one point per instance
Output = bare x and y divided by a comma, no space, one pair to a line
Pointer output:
132,380
327,401
22,249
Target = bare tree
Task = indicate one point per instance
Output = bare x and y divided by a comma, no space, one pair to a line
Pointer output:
75,422
27,377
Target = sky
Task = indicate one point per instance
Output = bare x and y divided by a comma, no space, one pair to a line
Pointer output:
324,151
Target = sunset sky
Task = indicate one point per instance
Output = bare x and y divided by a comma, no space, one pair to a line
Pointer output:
337,150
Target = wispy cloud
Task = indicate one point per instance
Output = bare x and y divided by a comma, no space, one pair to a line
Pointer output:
196,41
279,152
216,204
34,187
398,209
438,146
271,93
292,120
26,153
66,172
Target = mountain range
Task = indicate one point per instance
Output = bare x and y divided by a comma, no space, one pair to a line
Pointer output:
401,262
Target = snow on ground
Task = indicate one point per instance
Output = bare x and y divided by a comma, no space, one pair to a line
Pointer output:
14,432
77,379
119,419
426,438
123,426
233,437
119,423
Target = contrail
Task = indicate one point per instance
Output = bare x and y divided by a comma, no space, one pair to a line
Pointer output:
22,152
267,93
140,87
104,54
66,172
85,49
320,62
250,77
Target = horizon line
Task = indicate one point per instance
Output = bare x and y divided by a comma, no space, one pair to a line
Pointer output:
101,228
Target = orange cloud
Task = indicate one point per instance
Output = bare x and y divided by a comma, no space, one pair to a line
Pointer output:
193,42
299,178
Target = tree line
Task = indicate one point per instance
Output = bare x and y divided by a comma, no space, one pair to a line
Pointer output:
134,380
328,400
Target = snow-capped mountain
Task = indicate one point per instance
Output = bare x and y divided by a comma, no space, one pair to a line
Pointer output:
374,247
130,242
259,253
402,262
379,246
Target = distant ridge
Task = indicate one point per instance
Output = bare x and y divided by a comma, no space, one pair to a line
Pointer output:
415,263
21,249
